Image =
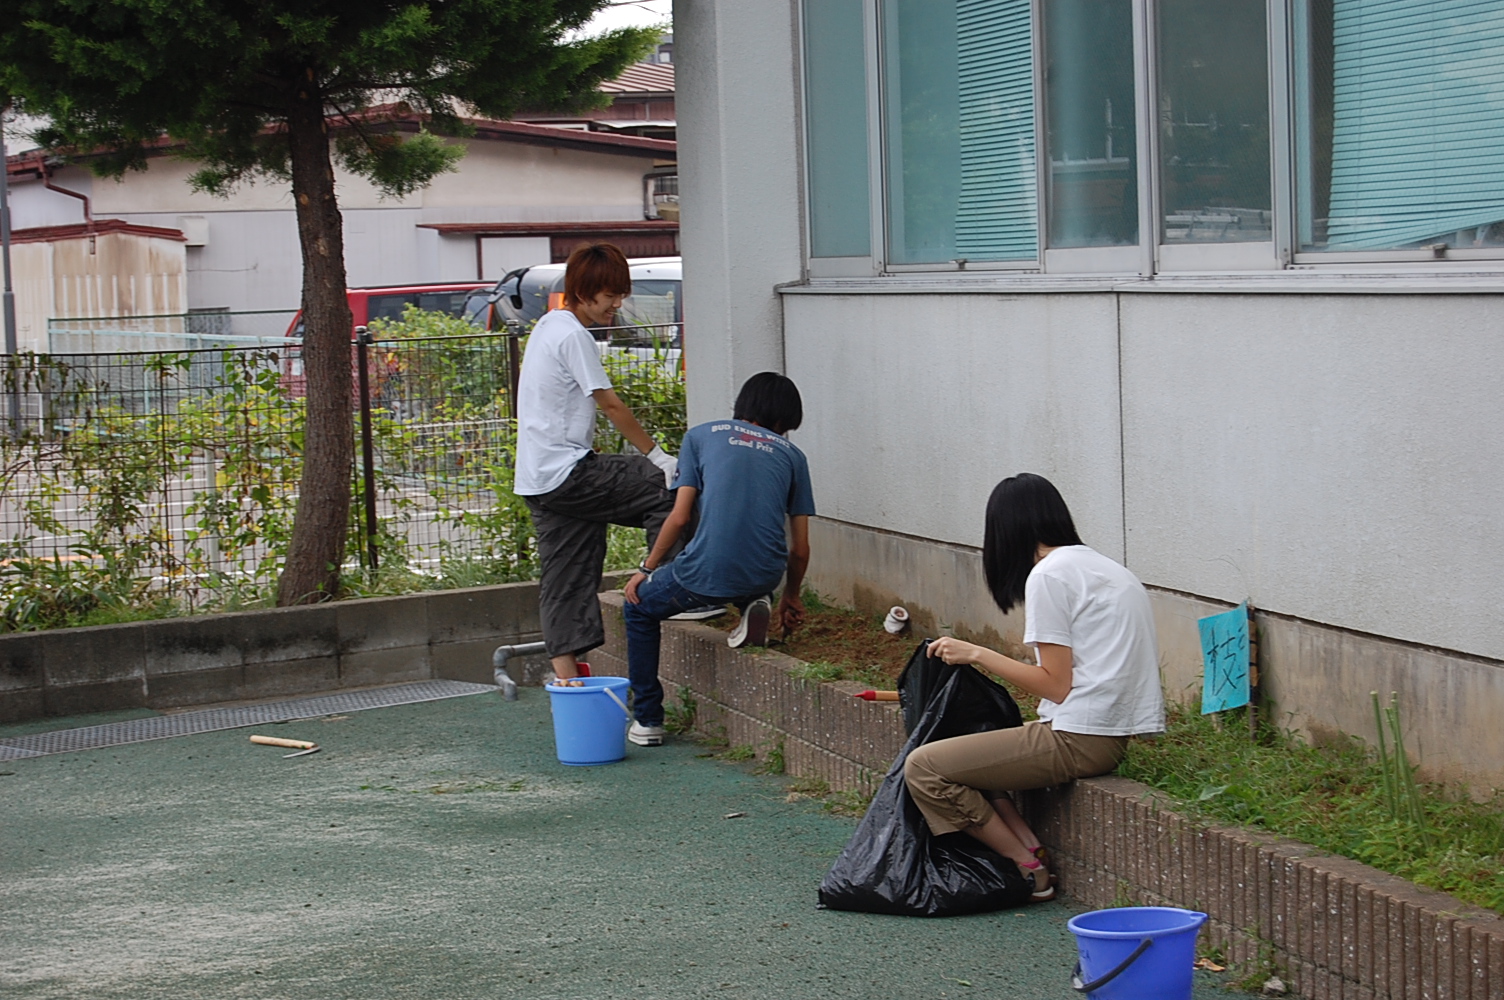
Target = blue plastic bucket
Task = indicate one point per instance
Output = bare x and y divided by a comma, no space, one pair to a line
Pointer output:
1136,952
590,722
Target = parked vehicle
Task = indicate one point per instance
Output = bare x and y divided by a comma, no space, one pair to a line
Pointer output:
387,302
655,308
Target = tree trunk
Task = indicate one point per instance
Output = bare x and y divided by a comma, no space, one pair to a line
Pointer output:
318,537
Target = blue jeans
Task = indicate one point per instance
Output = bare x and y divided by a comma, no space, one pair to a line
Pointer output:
658,597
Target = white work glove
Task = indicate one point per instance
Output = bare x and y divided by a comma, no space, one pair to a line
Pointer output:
668,463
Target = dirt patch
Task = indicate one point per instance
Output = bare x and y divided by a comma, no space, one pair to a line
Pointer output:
842,644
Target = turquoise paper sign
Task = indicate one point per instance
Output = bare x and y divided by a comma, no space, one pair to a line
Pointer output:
1224,651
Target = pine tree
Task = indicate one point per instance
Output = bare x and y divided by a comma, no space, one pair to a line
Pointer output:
283,89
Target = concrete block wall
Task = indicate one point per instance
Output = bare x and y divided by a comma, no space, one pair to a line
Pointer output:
752,699
263,654
1334,929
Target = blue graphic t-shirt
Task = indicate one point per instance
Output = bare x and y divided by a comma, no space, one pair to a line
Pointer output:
749,480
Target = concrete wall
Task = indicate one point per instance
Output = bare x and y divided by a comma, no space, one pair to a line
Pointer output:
264,654
741,230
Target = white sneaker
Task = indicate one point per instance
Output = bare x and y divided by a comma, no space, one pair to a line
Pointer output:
753,628
646,736
699,614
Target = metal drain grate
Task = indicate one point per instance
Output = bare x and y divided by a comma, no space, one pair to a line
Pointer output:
160,727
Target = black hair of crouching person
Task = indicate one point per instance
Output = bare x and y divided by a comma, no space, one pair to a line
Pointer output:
1024,512
770,400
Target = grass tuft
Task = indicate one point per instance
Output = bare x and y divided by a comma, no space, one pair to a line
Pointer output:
1335,795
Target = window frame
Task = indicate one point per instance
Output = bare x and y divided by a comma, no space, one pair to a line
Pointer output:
870,265
1151,256
878,50
1124,260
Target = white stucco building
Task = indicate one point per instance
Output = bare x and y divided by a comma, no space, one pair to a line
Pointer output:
1228,272
523,194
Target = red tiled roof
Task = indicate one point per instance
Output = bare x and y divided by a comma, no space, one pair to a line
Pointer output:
642,78
99,227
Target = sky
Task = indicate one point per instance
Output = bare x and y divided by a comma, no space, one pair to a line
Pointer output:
633,12
620,14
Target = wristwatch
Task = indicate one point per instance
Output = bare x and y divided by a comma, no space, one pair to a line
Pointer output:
642,568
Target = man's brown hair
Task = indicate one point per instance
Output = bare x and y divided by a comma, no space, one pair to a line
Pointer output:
594,268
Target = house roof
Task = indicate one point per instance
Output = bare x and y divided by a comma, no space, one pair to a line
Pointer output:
99,227
642,78
33,161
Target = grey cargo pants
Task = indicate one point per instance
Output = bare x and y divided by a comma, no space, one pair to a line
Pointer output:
571,525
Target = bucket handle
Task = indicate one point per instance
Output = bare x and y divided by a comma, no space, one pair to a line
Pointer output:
617,698
1080,987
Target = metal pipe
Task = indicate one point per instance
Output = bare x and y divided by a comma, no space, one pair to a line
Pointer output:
9,298
47,183
499,664
368,458
504,653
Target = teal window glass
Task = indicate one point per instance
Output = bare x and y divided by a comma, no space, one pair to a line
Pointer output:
1089,110
959,90
1214,121
835,107
1399,124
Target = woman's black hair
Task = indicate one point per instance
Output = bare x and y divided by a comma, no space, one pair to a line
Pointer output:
770,400
1024,512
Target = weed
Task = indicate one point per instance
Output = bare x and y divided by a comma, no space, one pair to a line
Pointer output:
819,671
808,788
773,761
848,803
1338,796
680,718
740,752
823,670
1259,970
1123,895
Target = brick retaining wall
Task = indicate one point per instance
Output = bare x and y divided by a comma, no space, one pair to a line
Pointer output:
1333,928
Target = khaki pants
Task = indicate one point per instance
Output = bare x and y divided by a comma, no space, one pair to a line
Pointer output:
947,777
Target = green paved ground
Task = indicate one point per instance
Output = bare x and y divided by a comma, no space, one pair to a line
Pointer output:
440,851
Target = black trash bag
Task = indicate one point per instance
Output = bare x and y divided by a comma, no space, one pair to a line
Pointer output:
893,864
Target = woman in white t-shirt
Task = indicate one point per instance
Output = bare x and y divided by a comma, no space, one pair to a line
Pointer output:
1090,624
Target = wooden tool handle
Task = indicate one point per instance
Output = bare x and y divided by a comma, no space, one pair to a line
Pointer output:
276,741
878,695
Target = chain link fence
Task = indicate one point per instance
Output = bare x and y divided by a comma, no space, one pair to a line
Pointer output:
143,483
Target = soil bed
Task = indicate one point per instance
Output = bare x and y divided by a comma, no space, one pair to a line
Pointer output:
839,644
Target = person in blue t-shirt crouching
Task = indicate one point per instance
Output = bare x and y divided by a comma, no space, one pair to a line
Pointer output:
747,478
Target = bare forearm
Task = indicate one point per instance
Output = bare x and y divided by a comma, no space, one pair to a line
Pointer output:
624,420
1028,676
668,537
798,564
1051,678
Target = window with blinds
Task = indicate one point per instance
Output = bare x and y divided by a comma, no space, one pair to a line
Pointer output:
1400,123
835,79
959,95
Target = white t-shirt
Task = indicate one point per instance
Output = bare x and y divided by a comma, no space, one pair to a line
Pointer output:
555,411
1077,597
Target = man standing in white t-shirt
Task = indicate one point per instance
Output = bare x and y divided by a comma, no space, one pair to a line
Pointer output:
572,492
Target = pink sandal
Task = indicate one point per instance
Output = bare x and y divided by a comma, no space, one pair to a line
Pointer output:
1032,869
